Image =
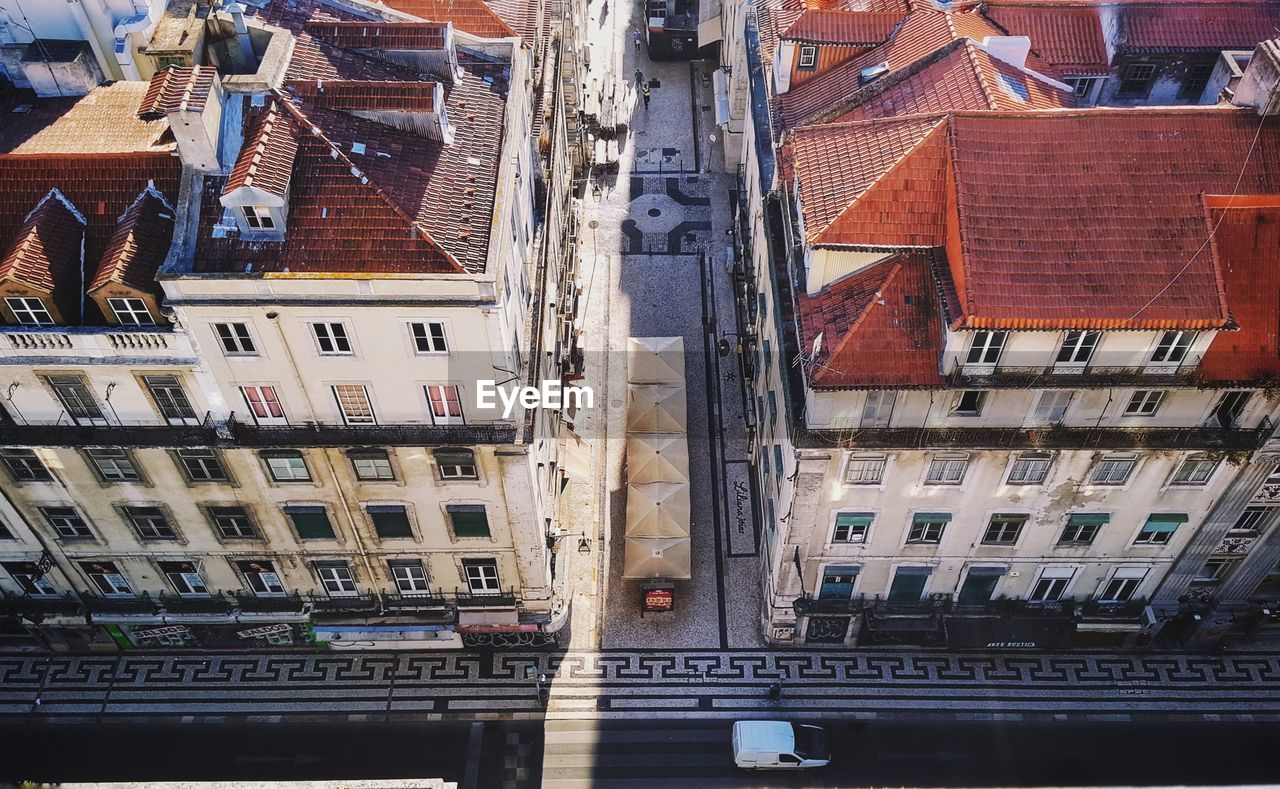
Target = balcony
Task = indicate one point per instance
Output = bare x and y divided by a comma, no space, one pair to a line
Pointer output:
347,604
395,603
94,345
37,608
249,603
65,435
812,606
212,605
505,599
1049,376
250,435
1057,437
121,606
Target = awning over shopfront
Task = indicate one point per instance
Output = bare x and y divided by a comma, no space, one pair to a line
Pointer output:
655,360
657,457
648,557
658,509
1008,632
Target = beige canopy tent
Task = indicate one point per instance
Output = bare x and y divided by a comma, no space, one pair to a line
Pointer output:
655,360
650,557
658,509
656,408
657,457
575,457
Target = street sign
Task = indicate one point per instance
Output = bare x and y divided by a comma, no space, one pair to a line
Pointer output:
158,632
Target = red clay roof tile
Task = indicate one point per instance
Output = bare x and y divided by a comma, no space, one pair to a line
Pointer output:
842,27
177,88
470,16
140,243
266,159
45,255
367,94
1196,26
379,35
1069,39
1247,245
103,122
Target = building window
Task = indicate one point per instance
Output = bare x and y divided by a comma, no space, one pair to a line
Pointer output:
1137,79
24,465
1112,470
261,577
947,470
286,466
1251,522
1052,406
170,399
808,57
1228,410
456,463
202,465
865,470
131,312
332,339
336,578
837,582
1004,529
353,402
235,339
1052,584
310,522
5,533
1172,347
1196,80
482,576
66,523
185,578
429,337
777,461
852,527
29,312
878,409
1082,528
1029,468
31,579
985,347
410,577
258,217
1123,585
264,404
233,523
773,408
107,579
469,520
1081,86
927,527
445,403
150,523
1144,402
908,584
74,394
1216,570
390,521
969,403
113,465
1159,529
371,465
1077,347
1195,470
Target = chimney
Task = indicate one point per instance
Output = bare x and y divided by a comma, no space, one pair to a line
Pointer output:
192,99
242,31
1260,86
1008,49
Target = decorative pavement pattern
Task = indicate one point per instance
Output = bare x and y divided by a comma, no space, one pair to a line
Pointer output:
378,686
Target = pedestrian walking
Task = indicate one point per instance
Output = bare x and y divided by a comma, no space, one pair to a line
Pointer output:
644,91
775,691
636,37
639,77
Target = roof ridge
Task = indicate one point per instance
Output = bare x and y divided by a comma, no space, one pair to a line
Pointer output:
866,310
988,90
360,175
817,237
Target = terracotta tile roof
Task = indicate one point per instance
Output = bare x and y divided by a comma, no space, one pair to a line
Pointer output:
920,36
842,27
1196,26
45,253
879,327
860,184
1069,39
267,156
140,243
367,95
470,16
379,35
103,122
526,17
962,76
313,58
1247,245
408,204
177,88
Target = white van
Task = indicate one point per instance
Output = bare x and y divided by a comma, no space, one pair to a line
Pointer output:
778,745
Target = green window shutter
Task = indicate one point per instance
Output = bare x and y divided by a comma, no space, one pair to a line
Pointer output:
311,523
931,517
469,520
1164,523
1090,519
390,521
854,519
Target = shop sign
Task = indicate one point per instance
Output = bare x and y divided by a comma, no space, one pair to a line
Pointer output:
659,598
265,630
161,632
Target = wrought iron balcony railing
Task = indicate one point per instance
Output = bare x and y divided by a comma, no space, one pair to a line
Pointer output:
40,607
1058,437
501,599
121,606
215,604
250,603
366,603
969,376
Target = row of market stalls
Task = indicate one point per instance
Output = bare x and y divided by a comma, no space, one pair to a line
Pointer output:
657,549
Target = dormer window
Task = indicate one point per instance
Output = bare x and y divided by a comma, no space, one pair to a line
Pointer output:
808,56
258,217
131,312
29,311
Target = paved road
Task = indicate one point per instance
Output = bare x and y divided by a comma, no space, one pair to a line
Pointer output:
697,754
